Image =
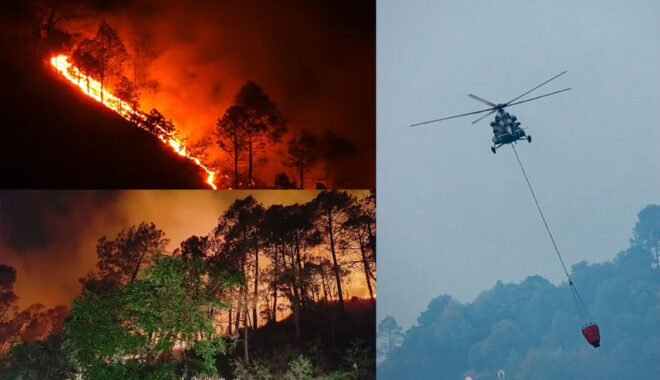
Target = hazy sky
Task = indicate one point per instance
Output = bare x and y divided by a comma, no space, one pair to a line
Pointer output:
454,218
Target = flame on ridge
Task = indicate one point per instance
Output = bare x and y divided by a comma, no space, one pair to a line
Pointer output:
92,88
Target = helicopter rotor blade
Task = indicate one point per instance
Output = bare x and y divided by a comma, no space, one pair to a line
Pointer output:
451,117
475,97
538,97
518,97
484,116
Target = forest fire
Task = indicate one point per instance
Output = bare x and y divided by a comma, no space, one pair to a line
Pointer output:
93,89
257,272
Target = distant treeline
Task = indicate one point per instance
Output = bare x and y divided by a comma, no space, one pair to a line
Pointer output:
531,331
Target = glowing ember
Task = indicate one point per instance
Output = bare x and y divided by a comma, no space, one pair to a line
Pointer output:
92,88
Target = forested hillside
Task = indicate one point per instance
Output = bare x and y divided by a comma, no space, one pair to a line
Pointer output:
530,330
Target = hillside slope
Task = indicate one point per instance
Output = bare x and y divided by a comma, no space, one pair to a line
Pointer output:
53,136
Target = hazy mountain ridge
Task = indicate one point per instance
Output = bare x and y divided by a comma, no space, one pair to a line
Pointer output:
531,329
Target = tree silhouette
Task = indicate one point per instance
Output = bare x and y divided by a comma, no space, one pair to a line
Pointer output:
331,207
233,135
646,233
391,333
104,56
7,295
360,223
142,54
282,181
56,40
155,120
126,91
263,120
110,53
120,260
85,59
303,152
239,227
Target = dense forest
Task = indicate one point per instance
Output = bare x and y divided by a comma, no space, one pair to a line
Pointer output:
265,295
530,330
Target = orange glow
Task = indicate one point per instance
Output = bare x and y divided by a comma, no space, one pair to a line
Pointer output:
93,89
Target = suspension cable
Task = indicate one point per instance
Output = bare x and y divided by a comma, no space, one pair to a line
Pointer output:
554,244
576,296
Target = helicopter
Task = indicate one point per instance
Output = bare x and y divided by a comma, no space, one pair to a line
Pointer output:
506,127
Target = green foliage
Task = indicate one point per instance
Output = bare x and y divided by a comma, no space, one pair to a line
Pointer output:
359,361
51,358
125,332
254,371
299,369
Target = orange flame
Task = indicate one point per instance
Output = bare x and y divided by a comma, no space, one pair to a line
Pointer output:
93,89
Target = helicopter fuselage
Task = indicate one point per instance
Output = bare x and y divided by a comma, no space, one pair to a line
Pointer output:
506,130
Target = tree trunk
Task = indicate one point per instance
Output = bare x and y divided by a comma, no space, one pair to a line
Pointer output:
250,161
276,270
303,292
293,289
235,159
245,327
237,317
229,325
256,289
372,240
367,275
137,267
325,292
334,260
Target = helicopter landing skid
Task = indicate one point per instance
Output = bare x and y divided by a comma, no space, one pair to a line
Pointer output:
494,148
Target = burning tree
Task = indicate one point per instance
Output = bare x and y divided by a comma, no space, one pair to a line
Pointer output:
83,57
126,91
155,119
104,56
111,53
